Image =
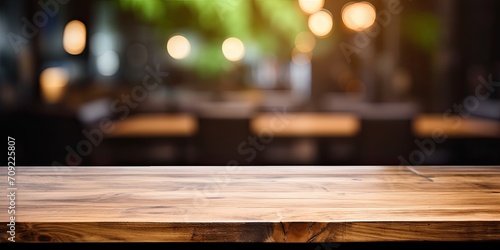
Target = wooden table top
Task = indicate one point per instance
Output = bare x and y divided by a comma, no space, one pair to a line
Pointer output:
455,126
308,124
304,125
154,125
256,204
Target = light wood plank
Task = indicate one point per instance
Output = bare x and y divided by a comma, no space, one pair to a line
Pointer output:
257,204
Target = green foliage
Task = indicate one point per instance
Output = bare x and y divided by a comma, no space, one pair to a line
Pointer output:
422,30
268,25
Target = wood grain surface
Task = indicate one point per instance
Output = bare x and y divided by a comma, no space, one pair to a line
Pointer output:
256,204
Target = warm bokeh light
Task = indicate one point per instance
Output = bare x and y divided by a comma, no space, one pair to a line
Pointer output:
74,37
52,84
108,63
305,42
320,23
233,49
178,47
311,6
358,16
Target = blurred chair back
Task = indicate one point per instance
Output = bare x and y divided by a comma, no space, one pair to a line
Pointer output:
386,133
223,126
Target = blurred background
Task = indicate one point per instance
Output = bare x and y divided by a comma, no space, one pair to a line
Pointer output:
251,82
